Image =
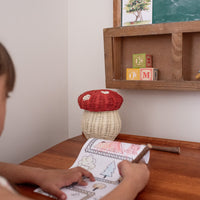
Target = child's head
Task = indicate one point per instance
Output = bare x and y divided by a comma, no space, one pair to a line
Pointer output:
7,81
7,69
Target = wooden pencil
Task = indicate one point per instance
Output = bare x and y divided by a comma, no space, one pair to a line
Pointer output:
142,153
164,148
139,157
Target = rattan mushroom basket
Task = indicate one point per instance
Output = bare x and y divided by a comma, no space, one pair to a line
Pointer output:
100,116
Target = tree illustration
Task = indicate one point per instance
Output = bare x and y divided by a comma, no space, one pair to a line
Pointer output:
109,170
136,7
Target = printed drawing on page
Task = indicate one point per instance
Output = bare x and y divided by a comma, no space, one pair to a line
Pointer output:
101,158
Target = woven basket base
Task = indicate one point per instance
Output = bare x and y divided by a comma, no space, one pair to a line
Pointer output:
104,125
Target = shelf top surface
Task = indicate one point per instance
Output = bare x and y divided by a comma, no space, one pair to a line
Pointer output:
151,29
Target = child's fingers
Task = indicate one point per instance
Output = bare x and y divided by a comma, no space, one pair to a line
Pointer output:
82,182
123,165
57,192
88,174
142,161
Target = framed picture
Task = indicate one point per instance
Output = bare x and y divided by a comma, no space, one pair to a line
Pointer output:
136,12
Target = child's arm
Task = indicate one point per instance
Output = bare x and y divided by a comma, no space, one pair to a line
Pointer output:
135,178
7,195
49,180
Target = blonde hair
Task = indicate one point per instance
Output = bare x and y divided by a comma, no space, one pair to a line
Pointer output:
7,68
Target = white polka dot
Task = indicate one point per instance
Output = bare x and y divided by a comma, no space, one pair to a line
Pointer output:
105,92
86,97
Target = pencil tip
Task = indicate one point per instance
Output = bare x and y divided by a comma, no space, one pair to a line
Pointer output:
149,146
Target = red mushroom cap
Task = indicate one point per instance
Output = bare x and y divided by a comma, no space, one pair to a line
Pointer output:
100,100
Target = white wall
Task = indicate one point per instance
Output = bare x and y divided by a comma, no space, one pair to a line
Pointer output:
35,33
165,114
86,53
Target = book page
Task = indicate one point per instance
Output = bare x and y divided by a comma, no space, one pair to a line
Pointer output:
101,158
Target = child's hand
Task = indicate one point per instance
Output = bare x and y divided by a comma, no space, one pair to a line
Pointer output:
137,174
135,178
51,181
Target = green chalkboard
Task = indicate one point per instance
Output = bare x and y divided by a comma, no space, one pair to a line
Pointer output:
175,10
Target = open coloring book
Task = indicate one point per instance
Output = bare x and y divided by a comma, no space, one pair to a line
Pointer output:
101,158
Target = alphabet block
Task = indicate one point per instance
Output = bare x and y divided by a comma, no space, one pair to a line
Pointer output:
142,60
132,74
148,74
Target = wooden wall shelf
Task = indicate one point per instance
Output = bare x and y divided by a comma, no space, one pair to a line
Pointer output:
175,48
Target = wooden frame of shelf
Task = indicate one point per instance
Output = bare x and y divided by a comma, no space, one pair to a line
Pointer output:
175,49
117,13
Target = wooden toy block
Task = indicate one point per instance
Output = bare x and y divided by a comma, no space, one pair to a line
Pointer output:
132,74
148,74
142,60
198,75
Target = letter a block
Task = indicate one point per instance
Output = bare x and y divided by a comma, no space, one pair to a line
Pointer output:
142,60
132,74
148,74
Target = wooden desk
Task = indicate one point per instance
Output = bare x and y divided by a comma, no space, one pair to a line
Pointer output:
173,176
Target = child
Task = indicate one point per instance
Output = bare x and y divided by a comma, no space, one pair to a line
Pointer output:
135,176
